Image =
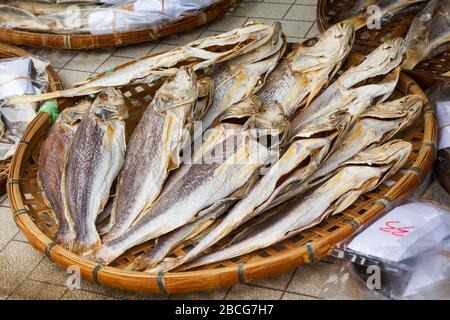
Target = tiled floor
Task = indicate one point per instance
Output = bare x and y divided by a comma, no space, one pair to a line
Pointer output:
26,274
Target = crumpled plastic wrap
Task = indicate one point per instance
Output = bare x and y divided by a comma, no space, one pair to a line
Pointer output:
18,76
440,98
108,17
405,254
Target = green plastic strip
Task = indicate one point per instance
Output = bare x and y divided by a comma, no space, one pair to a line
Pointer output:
110,71
51,107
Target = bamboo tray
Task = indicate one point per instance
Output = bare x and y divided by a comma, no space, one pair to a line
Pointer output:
31,213
7,51
426,73
88,41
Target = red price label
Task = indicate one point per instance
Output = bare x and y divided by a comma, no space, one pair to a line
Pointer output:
393,228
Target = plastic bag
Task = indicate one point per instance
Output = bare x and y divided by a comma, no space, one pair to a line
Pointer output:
402,255
440,98
18,76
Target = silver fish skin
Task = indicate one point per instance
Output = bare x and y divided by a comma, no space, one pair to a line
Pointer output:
380,61
230,160
93,162
310,146
307,69
377,125
429,33
17,18
353,179
199,54
53,153
153,150
167,243
237,80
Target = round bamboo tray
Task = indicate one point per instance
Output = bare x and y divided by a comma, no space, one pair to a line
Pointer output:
7,51
31,213
426,73
88,41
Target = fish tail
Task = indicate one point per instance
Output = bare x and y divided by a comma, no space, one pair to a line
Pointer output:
138,265
33,98
66,239
81,246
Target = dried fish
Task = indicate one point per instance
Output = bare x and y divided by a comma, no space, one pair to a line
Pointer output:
429,33
52,158
93,162
154,149
355,177
199,54
227,165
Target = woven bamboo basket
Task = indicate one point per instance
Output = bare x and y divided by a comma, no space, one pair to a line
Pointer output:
88,41
426,73
31,213
7,51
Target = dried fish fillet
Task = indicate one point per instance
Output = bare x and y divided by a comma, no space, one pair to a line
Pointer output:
199,54
357,176
52,158
154,149
93,162
230,159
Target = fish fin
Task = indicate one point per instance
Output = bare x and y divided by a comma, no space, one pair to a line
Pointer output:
316,86
84,247
358,21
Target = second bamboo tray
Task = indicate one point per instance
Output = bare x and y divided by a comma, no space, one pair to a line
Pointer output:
32,214
54,84
426,73
88,41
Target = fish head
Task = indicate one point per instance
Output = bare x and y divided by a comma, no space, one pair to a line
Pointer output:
72,115
110,105
180,89
330,48
205,96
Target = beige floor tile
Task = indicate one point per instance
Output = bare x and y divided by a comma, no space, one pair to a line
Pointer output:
296,29
227,23
112,62
136,50
279,1
8,226
310,280
50,272
313,32
279,282
70,77
84,295
294,296
89,61
59,58
163,47
4,201
246,292
261,10
34,290
185,37
310,2
300,12
17,260
206,295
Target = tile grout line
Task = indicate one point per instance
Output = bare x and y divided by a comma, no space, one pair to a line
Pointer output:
288,283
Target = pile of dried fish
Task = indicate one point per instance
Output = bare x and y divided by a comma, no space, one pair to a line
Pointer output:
280,146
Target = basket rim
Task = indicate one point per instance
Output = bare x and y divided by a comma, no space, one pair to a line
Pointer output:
54,84
89,42
199,280
425,78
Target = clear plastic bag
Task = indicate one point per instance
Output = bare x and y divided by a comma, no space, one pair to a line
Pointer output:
440,98
65,16
405,254
18,76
